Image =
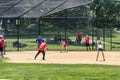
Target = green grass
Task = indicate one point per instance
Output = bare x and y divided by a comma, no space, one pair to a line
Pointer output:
2,60
58,72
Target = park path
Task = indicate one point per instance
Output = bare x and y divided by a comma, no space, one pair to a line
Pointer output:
72,57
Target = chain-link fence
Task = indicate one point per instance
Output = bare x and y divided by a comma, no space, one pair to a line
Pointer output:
27,36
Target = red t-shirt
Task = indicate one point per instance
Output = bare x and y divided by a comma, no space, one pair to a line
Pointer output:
65,44
2,42
87,40
43,46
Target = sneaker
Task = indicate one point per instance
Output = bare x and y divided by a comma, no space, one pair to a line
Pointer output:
103,59
43,59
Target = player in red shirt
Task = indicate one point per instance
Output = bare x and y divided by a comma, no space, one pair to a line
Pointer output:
2,44
64,46
42,48
87,42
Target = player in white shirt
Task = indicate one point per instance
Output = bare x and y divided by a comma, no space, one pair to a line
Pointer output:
100,49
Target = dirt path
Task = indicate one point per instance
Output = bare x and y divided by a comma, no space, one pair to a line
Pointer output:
72,57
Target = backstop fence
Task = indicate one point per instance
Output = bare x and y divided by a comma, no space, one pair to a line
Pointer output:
26,36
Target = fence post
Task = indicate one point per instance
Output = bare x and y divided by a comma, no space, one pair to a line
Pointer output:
104,37
18,33
111,39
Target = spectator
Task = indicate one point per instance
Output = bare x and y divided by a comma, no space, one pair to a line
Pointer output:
47,39
55,38
79,37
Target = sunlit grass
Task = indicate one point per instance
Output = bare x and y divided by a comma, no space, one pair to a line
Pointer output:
58,72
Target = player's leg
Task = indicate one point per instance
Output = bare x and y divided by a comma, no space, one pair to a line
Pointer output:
1,50
66,49
97,56
43,52
89,47
103,55
62,49
2,54
37,54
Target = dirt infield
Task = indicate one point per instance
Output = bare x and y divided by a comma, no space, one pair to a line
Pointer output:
72,57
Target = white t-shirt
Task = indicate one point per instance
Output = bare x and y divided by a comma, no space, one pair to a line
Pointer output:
100,46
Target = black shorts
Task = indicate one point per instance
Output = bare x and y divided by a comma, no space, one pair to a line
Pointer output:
100,49
87,44
1,49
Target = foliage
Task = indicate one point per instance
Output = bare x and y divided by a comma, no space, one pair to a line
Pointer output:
105,13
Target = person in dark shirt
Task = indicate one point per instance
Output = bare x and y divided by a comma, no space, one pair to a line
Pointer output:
39,40
79,37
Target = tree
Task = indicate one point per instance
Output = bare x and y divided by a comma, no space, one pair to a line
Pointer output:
105,13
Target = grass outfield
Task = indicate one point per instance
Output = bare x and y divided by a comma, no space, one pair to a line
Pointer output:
15,71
